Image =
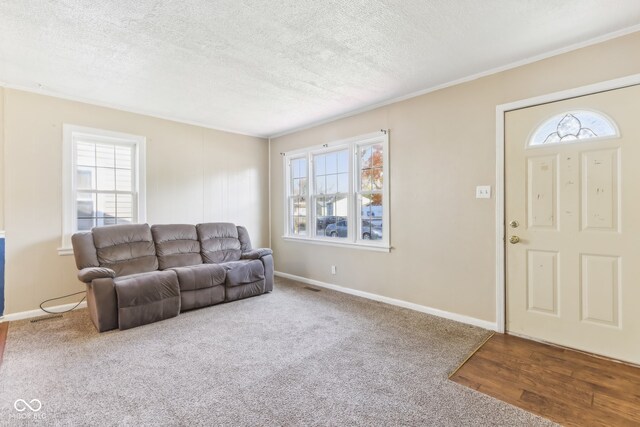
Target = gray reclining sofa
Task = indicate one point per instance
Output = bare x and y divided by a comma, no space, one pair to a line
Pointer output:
136,274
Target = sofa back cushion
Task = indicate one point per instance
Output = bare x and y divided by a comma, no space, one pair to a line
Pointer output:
219,242
245,241
177,245
126,249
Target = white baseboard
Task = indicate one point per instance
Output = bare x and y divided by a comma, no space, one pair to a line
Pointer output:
400,303
37,313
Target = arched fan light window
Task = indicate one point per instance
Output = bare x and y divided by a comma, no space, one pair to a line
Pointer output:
572,126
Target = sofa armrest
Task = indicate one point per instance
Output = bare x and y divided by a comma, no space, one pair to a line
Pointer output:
256,253
102,302
86,275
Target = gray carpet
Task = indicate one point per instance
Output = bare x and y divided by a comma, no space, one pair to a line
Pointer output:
292,357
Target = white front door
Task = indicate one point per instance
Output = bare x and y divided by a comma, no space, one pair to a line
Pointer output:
572,191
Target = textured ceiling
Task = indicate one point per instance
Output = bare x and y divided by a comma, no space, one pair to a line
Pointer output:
265,67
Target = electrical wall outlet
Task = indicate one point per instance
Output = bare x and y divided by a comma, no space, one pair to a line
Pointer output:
333,269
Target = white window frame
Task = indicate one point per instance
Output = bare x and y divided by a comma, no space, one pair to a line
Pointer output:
354,217
70,134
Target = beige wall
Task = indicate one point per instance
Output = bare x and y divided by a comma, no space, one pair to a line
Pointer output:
442,145
193,175
2,158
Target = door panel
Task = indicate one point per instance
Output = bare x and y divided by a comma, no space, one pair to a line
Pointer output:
542,179
573,278
600,190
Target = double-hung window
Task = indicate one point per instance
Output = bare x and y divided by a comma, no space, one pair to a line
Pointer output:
103,180
338,193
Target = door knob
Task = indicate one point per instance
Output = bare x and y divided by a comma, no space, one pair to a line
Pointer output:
514,224
514,239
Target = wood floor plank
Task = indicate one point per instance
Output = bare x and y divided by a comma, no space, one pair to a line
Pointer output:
619,405
569,415
4,330
551,384
465,380
568,387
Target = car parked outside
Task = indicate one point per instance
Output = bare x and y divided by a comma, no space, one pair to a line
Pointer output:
371,229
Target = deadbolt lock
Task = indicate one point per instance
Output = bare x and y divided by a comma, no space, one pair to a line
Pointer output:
514,239
514,224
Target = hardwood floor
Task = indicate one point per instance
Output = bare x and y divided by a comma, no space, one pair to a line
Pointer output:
4,329
565,386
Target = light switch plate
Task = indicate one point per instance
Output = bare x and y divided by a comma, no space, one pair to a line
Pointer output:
483,192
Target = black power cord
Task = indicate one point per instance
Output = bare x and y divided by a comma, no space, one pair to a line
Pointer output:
65,296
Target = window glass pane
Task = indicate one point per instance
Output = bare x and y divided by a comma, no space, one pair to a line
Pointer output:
297,169
85,178
303,186
321,187
123,180
332,163
86,224
106,206
325,215
319,165
371,167
106,179
322,207
295,190
332,184
572,126
301,225
365,157
86,205
376,178
371,217
335,227
343,161
85,154
105,155
124,156
101,222
331,216
365,180
376,156
123,221
343,183
299,215
342,206
124,206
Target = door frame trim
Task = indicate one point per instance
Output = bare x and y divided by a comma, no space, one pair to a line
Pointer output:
501,110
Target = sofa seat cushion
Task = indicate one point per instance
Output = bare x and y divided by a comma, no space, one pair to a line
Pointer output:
147,297
200,276
244,291
190,300
243,272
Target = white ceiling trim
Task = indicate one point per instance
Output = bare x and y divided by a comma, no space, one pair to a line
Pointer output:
576,46
536,58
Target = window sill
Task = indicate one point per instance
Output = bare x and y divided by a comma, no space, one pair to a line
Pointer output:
351,245
65,251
